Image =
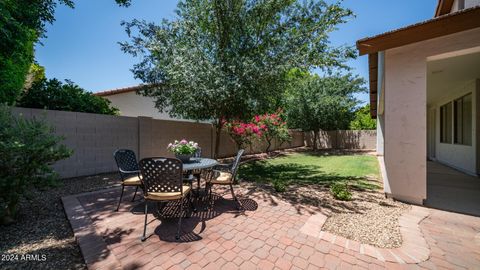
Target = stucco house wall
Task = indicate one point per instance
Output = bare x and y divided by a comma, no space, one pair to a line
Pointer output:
133,105
466,4
405,138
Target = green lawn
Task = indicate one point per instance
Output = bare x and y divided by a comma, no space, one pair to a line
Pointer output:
311,168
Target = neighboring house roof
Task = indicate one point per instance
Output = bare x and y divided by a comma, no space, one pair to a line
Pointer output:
437,27
119,91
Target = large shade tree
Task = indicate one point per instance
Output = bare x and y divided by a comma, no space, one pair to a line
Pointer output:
227,59
363,120
22,24
317,103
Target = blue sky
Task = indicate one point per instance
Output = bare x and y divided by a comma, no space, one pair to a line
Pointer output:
82,45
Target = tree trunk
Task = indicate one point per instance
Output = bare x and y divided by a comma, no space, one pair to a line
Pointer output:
315,138
269,144
218,132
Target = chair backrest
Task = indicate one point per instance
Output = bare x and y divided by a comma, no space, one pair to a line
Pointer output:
236,163
161,174
198,153
126,161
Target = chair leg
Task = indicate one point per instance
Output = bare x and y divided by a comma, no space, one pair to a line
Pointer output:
191,205
177,236
239,206
145,224
211,202
198,186
121,195
134,194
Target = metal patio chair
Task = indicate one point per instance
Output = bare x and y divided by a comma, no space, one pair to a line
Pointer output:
128,170
163,182
224,174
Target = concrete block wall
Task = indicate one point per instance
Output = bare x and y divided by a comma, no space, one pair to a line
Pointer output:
94,137
344,139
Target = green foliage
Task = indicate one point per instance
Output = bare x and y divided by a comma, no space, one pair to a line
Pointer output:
322,103
227,59
36,73
341,191
27,149
279,186
22,23
55,95
363,120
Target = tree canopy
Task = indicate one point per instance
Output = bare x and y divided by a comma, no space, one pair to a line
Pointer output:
363,120
22,24
55,95
316,103
227,59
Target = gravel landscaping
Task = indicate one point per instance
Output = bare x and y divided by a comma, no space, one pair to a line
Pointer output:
369,217
43,230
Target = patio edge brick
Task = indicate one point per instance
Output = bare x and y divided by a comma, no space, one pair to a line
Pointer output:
94,250
414,248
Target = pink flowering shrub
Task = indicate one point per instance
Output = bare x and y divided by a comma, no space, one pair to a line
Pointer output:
265,126
243,133
273,127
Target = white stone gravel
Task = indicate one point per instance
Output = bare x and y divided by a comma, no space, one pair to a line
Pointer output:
42,228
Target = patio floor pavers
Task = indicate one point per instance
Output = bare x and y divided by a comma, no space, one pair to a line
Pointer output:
269,234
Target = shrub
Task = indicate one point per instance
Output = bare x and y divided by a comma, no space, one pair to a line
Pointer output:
54,95
272,127
279,186
27,149
242,133
341,191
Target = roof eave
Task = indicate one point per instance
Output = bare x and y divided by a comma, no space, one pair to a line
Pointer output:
441,26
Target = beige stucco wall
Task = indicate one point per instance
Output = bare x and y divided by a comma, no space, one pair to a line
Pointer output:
131,104
405,111
467,4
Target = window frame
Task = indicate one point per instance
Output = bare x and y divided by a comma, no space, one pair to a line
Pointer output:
449,132
456,124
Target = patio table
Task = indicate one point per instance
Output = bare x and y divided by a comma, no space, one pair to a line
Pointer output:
198,164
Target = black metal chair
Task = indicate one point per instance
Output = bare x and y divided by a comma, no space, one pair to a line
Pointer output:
163,182
224,174
128,170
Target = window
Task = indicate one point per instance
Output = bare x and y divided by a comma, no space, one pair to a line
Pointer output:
446,123
463,120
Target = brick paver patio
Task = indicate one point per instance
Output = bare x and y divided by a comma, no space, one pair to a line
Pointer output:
269,234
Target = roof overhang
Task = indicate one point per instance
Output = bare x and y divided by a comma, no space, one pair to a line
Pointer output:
437,27
443,7
441,26
120,91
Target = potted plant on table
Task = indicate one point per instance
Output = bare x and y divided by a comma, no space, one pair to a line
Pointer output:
183,149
